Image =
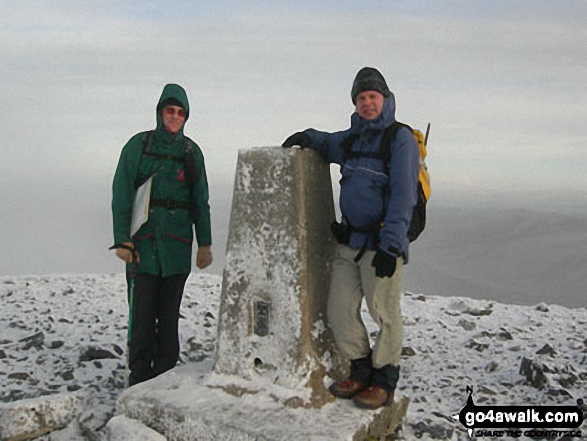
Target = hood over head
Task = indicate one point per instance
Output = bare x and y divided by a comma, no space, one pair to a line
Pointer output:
172,95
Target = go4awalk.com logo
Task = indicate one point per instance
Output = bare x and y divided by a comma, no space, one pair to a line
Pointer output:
515,421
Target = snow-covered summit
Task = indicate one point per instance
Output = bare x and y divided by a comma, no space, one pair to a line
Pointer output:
65,334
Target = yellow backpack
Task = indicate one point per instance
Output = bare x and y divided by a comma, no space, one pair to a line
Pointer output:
418,222
424,175
419,214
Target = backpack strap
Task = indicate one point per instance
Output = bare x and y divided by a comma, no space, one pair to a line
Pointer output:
190,171
347,146
384,152
190,175
189,162
148,141
387,139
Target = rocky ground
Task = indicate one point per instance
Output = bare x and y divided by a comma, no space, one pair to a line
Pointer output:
63,339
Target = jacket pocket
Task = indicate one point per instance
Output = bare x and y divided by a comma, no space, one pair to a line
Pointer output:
362,197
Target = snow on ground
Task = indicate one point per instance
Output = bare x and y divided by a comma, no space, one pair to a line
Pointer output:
66,333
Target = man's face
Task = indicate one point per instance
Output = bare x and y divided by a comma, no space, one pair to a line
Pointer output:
369,104
173,118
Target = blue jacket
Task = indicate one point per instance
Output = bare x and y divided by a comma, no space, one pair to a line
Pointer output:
368,196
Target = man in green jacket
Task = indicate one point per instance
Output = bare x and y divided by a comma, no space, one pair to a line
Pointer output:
158,255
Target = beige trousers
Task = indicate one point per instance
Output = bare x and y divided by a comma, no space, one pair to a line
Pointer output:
351,282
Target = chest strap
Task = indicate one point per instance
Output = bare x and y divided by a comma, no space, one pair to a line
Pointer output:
169,204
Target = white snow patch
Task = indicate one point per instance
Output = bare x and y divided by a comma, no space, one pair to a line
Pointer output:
454,343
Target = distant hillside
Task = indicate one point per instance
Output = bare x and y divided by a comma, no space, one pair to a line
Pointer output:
510,255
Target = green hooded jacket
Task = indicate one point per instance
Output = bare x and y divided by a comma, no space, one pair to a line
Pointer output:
165,240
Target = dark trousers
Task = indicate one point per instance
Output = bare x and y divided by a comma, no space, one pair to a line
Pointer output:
154,341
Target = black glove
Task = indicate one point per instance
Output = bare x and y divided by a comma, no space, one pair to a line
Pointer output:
384,264
299,138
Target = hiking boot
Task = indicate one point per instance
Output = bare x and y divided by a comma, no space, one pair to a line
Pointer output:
359,379
346,388
373,397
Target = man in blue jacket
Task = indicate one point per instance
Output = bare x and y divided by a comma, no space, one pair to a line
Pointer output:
376,201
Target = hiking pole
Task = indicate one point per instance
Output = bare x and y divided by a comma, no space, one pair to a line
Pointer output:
131,297
427,133
131,292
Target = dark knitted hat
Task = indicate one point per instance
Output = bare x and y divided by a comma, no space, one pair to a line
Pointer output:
369,78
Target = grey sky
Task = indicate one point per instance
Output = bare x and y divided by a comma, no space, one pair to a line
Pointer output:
503,84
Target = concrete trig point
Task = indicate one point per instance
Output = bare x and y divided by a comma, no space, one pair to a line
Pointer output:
275,354
272,315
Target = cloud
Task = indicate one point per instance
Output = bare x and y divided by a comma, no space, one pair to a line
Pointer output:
502,83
